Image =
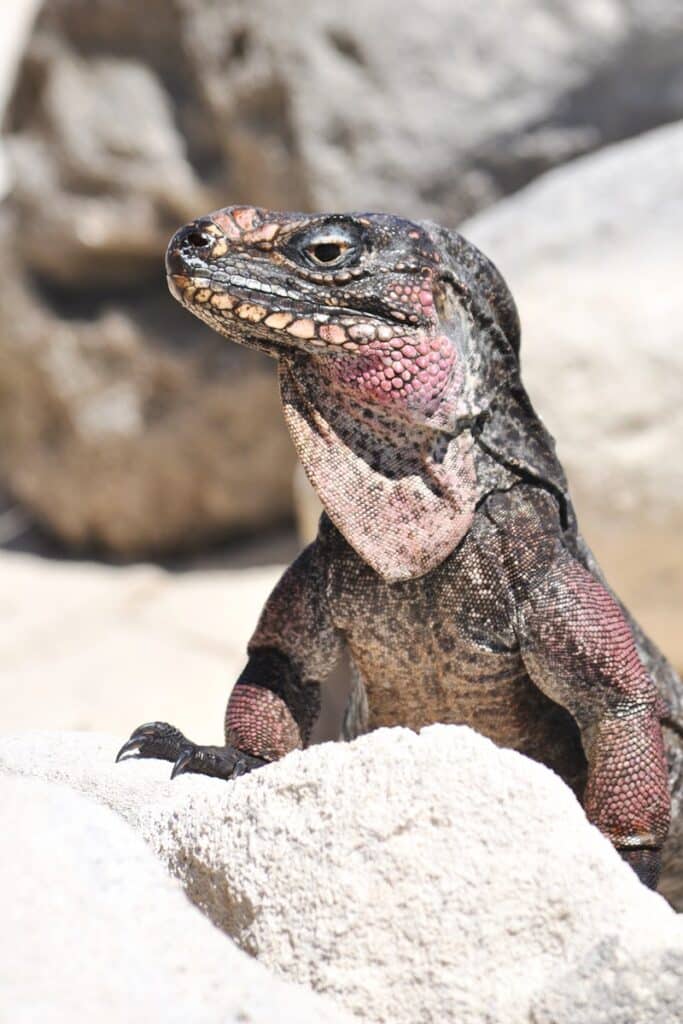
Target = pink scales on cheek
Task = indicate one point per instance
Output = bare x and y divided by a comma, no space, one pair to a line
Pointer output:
400,370
412,302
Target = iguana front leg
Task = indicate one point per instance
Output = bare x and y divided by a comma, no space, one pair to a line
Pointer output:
579,650
276,700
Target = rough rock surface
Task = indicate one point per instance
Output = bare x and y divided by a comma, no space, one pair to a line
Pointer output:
110,439
96,930
122,422
414,878
592,254
434,113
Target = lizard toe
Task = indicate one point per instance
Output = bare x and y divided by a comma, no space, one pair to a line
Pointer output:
154,739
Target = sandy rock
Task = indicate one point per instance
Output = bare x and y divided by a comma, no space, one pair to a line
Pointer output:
86,646
592,254
100,932
414,878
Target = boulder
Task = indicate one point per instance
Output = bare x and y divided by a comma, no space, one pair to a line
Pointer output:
126,424
412,877
436,113
97,930
139,431
591,252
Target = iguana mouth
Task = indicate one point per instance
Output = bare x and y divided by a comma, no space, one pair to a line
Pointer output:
235,306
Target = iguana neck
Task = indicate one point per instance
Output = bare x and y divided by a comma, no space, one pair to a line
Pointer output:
404,496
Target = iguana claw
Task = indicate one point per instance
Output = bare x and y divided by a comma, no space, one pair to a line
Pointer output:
164,741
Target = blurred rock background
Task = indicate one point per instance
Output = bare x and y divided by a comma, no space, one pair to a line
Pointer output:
129,431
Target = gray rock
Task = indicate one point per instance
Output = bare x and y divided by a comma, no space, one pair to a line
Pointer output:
125,423
96,930
424,877
436,112
108,150
134,428
17,19
592,254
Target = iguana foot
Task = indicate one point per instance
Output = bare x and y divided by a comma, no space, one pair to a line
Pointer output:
646,861
163,741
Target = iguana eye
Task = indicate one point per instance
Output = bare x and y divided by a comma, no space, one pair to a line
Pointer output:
327,252
327,246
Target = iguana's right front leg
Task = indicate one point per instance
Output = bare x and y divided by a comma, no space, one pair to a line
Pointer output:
276,700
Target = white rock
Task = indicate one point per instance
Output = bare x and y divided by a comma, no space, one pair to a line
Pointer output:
94,929
415,878
634,983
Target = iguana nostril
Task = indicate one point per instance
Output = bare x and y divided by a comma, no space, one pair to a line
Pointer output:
197,239
190,243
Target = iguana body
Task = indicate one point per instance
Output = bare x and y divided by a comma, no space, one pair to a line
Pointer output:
448,561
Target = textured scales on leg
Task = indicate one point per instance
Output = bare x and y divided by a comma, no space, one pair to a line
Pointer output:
448,562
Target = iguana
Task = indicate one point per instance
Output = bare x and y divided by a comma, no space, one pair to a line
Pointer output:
448,560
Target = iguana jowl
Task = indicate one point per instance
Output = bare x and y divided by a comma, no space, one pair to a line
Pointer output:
448,559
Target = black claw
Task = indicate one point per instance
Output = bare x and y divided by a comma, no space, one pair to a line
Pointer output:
241,767
185,758
138,737
131,744
154,739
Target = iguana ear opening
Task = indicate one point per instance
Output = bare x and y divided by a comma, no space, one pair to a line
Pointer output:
402,505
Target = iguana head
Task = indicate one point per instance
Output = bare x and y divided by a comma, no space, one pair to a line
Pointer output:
367,295
395,341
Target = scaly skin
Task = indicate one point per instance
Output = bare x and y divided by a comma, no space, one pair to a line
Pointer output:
448,562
